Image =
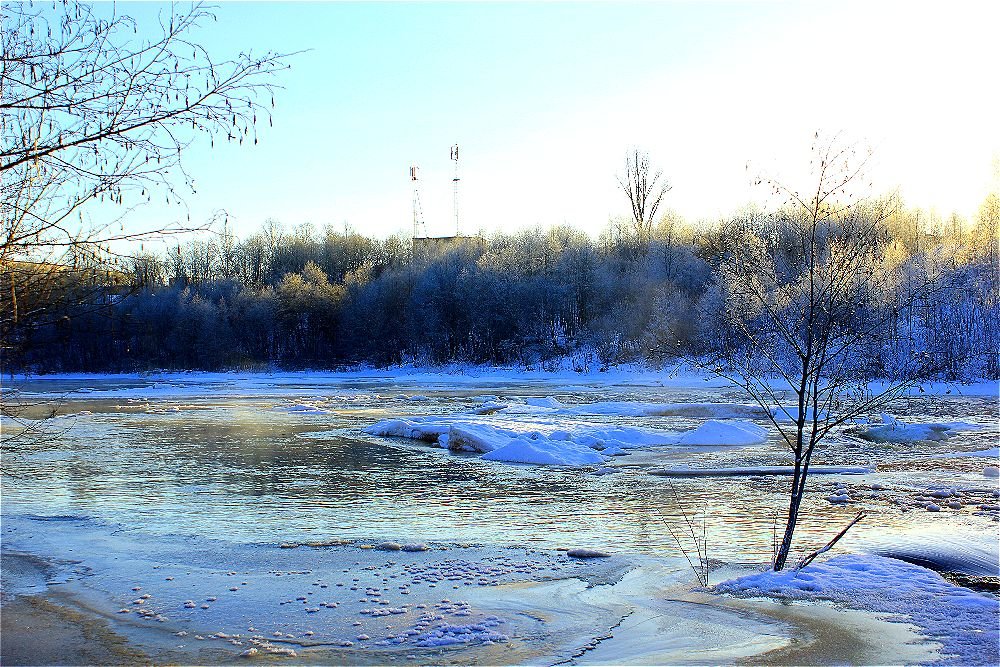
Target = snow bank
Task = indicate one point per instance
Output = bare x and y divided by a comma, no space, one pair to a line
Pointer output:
717,433
893,430
963,621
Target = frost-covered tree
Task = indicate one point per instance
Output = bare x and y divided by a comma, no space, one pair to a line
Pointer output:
805,288
645,188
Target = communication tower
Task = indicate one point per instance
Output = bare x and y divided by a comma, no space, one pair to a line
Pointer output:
454,181
418,214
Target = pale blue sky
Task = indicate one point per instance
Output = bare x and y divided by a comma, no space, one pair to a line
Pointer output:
545,99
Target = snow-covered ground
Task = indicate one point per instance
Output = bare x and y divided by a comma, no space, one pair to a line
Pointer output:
964,622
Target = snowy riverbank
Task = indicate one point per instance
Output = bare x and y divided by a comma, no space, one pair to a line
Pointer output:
185,600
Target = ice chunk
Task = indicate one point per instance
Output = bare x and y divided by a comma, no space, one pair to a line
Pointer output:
543,451
488,408
476,438
417,428
893,430
712,432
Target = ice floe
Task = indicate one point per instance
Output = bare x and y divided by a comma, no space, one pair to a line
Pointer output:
524,442
555,439
894,430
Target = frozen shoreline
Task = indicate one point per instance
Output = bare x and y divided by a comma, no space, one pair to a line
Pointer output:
551,608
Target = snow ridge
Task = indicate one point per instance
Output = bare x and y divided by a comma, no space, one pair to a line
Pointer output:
963,621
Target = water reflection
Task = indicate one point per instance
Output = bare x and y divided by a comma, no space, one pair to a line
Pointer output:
248,470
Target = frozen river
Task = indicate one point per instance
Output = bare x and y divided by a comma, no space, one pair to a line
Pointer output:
123,480
243,460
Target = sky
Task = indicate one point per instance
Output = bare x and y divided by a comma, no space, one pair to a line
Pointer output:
545,100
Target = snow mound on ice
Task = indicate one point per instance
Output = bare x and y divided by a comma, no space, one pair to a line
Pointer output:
712,432
963,621
482,438
543,451
893,430
562,440
447,634
618,437
557,439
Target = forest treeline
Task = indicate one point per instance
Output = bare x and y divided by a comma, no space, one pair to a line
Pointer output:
308,298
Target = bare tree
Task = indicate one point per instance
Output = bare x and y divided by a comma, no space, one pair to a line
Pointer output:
92,113
805,298
645,191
